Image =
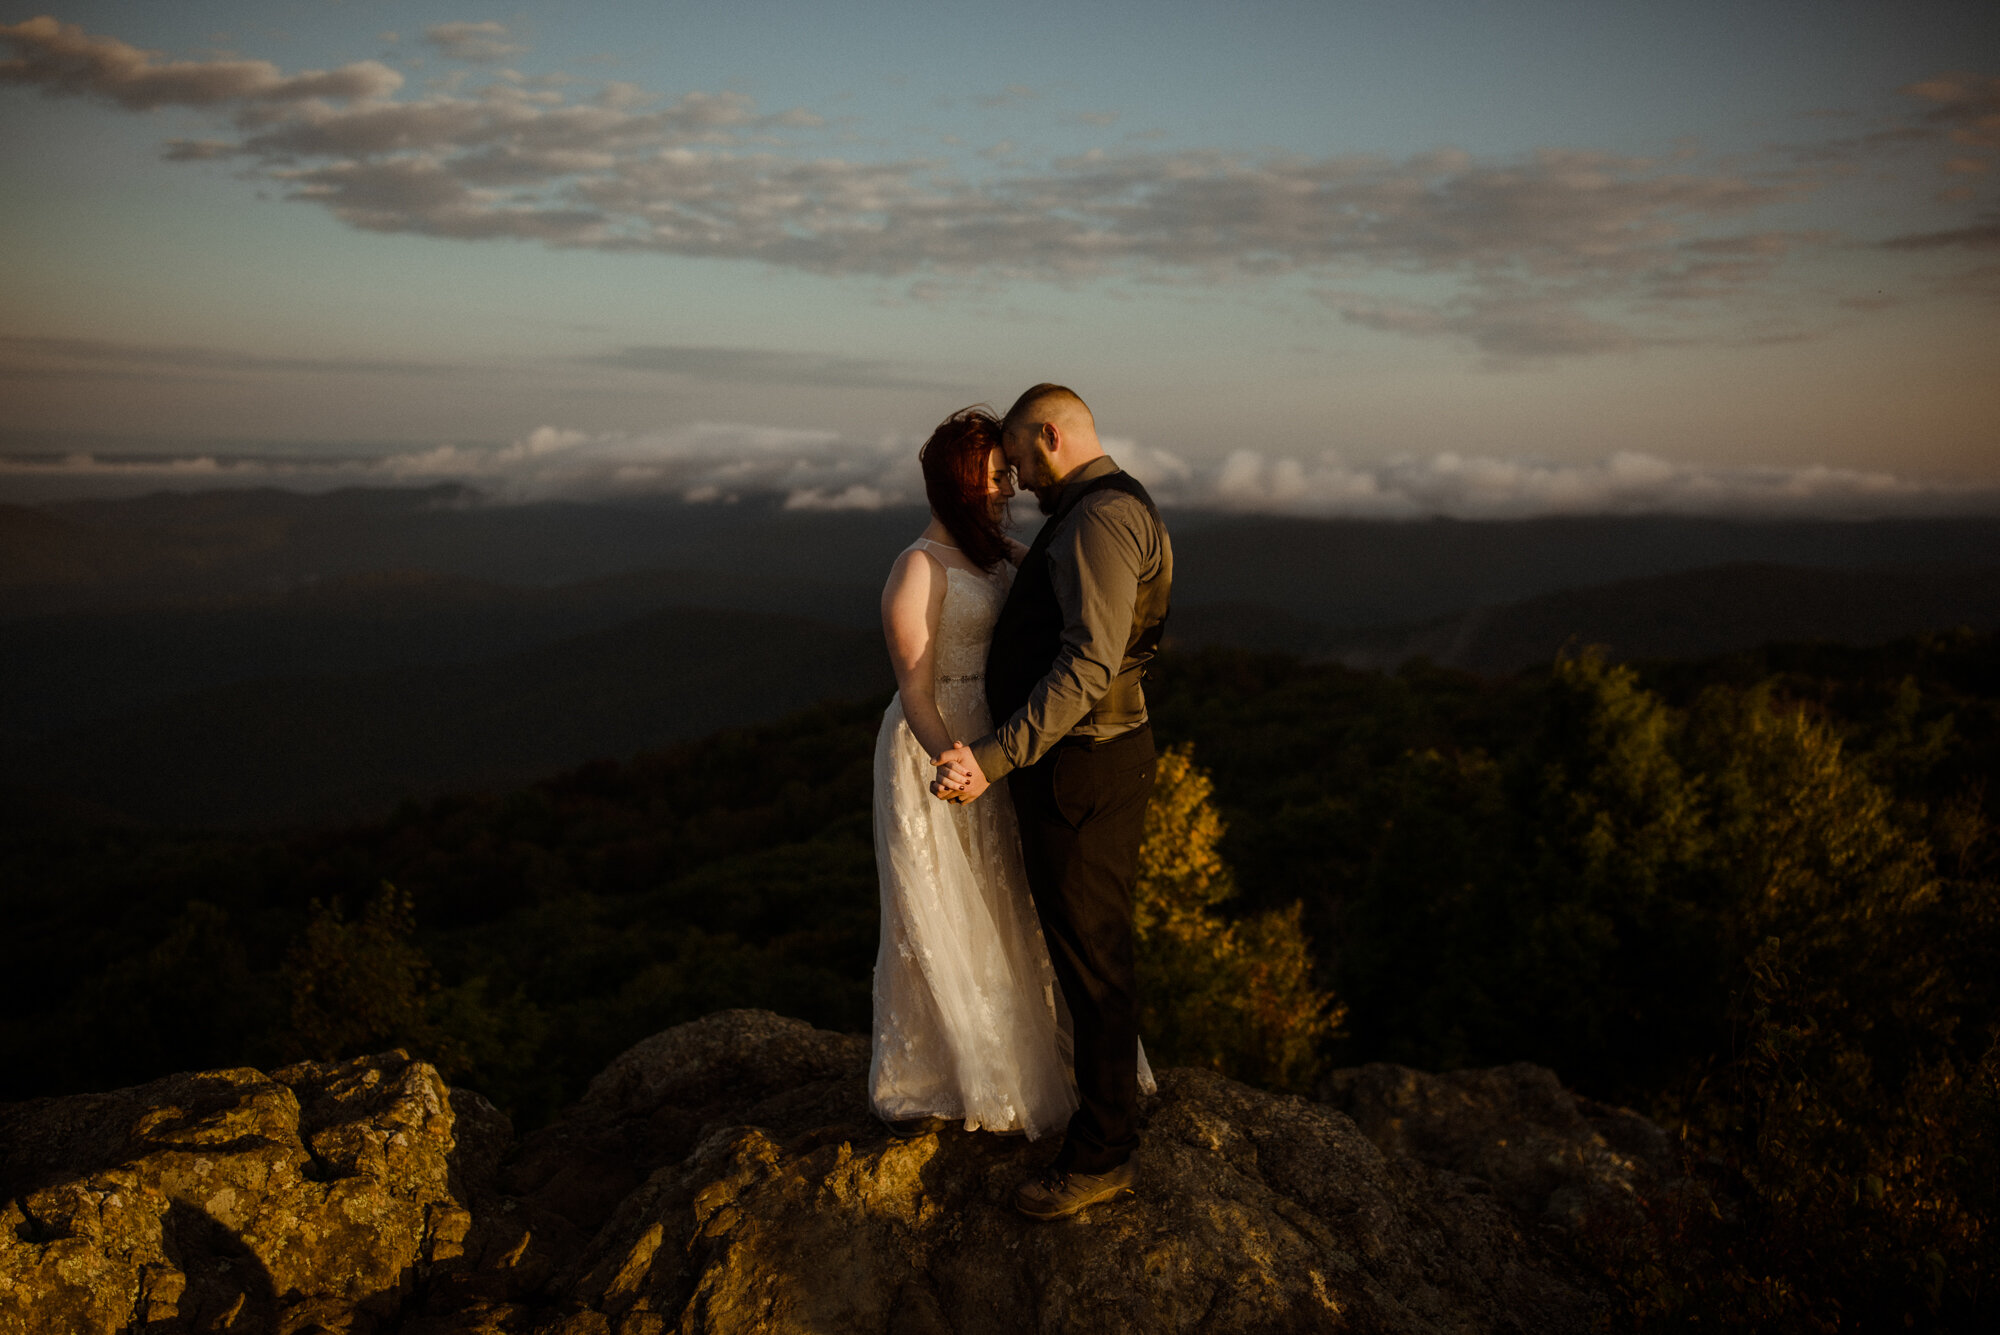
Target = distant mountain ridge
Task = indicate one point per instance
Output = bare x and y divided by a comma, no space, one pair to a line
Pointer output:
64,669
339,747
82,555
103,555
1686,614
267,656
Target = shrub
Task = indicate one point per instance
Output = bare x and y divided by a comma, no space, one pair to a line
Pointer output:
1237,997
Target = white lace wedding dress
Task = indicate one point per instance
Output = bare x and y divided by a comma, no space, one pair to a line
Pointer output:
968,1021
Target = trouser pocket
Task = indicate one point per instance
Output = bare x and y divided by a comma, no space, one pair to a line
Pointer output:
1091,783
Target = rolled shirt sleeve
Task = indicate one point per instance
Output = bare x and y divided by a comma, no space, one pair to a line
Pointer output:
1095,563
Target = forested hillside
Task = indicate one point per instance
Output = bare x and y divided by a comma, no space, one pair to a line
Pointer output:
1753,896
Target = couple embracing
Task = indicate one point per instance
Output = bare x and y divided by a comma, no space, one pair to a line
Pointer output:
1005,996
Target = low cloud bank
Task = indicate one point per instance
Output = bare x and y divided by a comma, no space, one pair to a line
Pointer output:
725,463
1626,483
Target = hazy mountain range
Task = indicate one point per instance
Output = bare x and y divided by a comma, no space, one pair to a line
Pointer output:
264,655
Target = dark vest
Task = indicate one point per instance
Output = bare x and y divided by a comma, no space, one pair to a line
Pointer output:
1028,634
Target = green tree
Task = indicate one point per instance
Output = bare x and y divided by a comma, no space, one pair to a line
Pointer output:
362,985
1237,997
1853,1117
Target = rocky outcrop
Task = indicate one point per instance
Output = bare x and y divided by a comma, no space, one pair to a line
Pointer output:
312,1197
726,1176
1550,1154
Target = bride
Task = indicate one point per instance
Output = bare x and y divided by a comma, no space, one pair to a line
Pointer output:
969,1025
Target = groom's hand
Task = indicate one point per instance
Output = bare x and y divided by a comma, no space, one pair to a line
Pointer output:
966,782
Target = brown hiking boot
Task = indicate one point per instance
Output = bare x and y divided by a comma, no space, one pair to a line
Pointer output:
915,1128
1057,1193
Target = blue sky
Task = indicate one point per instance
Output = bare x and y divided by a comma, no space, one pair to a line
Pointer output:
1323,257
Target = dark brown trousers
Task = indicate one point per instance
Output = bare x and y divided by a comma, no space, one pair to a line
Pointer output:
1082,810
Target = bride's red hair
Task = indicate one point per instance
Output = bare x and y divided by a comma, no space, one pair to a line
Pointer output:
954,462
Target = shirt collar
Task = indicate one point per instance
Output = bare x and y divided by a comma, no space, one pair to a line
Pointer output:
1085,472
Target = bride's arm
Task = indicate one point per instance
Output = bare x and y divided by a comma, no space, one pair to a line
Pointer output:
1015,550
912,603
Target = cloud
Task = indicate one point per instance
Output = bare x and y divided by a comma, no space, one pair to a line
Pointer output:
1965,106
1983,234
1626,483
1545,254
1008,96
481,43
710,461
854,496
45,359
498,118
25,357
63,60
1506,329
593,176
723,462
759,366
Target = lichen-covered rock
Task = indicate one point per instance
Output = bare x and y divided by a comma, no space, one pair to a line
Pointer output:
728,1176
650,1105
1256,1213
311,1197
1542,1149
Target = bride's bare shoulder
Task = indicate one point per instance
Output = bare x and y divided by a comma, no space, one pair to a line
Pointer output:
915,559
914,570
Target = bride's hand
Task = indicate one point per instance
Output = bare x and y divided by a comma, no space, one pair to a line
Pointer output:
954,774
958,777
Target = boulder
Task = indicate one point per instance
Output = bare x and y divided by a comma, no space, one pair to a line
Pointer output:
1550,1154
313,1197
774,1202
727,1176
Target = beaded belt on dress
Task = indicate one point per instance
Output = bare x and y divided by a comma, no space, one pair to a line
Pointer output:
970,676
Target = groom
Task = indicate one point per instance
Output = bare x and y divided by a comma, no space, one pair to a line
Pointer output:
1063,679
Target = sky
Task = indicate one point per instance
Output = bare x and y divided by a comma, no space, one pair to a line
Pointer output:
1436,256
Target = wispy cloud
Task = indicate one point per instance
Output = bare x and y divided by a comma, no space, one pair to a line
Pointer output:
766,367
24,357
482,43
1011,95
44,359
723,463
1505,328
63,60
1965,106
1984,234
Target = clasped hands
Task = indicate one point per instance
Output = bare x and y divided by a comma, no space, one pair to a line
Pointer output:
958,776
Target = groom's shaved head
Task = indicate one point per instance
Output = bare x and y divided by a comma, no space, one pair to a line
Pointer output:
1056,404
1047,435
